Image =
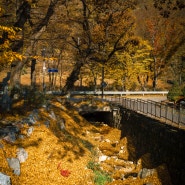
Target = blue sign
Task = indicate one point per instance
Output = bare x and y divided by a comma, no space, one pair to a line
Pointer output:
104,84
53,70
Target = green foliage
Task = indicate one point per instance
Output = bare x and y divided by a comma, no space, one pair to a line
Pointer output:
183,91
100,177
174,93
93,166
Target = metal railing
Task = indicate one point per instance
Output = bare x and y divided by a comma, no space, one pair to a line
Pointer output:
164,112
119,93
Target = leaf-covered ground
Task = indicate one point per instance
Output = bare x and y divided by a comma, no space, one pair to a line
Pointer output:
75,152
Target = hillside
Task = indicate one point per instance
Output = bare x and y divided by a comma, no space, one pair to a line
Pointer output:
61,147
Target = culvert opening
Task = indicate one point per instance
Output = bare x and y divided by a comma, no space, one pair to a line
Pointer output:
111,118
99,116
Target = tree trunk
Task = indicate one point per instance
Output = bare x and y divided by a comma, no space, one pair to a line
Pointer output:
143,83
74,76
15,78
155,74
33,78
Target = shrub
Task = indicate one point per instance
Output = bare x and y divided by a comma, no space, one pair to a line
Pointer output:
100,177
183,91
174,93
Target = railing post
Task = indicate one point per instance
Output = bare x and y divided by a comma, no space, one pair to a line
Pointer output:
172,113
151,113
138,104
166,111
179,120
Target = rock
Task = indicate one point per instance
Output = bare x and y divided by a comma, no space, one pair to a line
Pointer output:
59,100
1,145
61,124
44,106
21,136
107,140
87,132
130,175
22,155
47,123
143,173
99,138
4,179
11,137
4,131
31,119
30,131
14,164
103,158
122,147
36,113
52,115
9,132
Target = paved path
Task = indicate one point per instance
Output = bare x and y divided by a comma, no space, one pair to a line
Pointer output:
153,98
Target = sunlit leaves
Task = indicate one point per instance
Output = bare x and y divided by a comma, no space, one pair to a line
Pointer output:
6,54
131,64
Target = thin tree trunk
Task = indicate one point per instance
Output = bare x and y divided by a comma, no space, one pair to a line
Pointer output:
33,78
154,75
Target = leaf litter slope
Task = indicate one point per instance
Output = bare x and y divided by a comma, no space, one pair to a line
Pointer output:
58,156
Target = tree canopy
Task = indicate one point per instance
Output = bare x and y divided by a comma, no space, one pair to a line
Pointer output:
133,41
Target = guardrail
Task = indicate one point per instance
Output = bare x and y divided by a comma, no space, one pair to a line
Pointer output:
164,112
121,93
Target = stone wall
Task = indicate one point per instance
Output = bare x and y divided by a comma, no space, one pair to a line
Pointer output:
166,144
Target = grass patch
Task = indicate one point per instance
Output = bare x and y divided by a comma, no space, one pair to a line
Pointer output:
100,177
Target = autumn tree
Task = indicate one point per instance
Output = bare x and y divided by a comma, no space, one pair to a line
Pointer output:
165,35
176,67
93,34
35,24
6,53
106,27
7,36
131,70
166,7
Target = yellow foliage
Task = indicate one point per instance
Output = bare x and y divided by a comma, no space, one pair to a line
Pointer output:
1,11
10,30
131,63
6,54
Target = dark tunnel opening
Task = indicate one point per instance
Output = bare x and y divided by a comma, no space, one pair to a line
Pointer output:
99,116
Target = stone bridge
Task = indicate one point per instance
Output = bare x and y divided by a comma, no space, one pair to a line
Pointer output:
98,110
